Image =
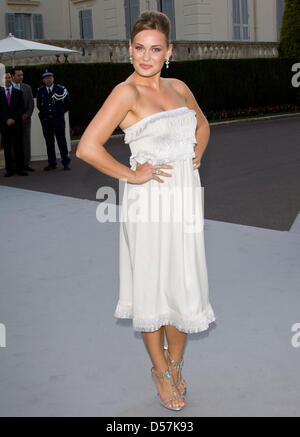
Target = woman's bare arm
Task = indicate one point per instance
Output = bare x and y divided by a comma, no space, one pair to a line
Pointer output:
90,148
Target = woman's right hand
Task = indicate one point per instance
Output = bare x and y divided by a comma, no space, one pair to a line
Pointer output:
145,172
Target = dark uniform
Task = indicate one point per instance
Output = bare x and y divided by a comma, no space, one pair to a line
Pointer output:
52,107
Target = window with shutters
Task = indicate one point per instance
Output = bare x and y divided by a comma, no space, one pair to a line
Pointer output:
86,24
19,25
132,12
38,31
167,7
10,23
240,20
279,11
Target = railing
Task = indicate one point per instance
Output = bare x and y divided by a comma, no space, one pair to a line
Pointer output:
117,51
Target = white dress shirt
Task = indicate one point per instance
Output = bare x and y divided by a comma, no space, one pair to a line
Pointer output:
10,90
17,85
50,88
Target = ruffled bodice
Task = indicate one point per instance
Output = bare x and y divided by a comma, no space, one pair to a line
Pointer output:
162,137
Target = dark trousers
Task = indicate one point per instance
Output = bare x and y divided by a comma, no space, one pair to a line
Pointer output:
51,127
13,147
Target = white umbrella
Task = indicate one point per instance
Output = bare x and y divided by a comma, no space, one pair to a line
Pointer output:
17,48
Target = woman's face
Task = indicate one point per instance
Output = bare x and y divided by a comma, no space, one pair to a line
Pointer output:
149,52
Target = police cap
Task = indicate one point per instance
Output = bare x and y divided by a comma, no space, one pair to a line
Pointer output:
47,73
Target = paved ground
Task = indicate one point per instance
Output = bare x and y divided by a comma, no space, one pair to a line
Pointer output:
66,355
250,172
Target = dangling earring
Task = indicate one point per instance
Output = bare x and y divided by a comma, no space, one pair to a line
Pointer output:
167,63
131,61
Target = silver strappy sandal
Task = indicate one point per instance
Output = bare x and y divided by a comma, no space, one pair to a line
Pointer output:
167,375
178,366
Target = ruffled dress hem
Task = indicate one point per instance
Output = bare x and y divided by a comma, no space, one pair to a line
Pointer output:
199,324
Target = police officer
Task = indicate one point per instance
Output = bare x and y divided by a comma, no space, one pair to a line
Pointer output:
53,101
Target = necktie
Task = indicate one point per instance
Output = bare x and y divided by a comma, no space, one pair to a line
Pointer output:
8,96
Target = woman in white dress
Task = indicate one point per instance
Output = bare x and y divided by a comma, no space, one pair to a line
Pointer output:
163,275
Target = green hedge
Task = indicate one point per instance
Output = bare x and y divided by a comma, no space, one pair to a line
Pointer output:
218,85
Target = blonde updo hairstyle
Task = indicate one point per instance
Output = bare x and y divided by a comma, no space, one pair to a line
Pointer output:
152,20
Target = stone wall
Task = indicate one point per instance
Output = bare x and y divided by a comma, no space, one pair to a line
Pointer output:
117,51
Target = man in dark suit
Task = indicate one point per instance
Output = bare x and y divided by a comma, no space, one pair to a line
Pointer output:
17,81
11,110
53,101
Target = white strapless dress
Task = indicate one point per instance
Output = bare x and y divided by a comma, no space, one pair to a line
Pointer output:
162,265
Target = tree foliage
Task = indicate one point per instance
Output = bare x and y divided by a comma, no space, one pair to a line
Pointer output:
289,45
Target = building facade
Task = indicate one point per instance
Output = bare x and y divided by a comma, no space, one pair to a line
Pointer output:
200,20
86,24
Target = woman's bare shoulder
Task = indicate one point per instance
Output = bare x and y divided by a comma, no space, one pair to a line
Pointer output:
179,86
125,90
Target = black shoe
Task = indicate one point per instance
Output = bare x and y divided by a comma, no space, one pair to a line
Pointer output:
50,167
22,173
27,168
9,173
66,167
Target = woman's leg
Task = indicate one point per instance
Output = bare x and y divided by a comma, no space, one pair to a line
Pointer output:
176,342
154,342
